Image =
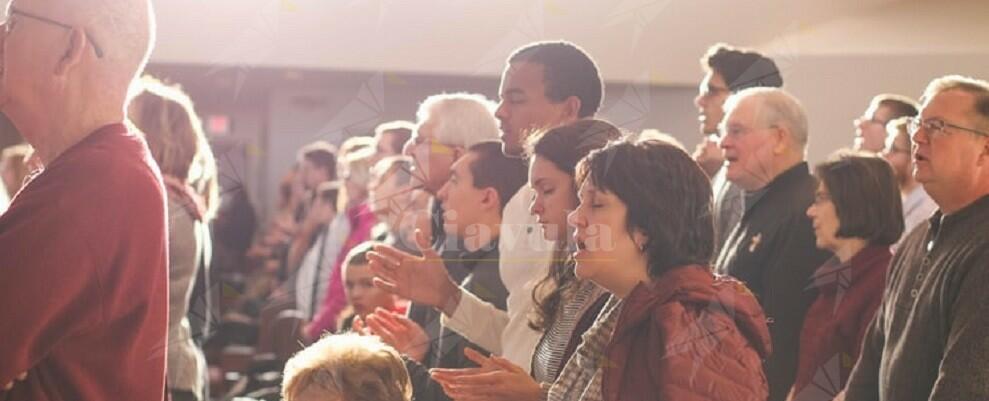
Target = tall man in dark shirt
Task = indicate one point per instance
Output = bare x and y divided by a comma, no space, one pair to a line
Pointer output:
929,339
83,252
764,137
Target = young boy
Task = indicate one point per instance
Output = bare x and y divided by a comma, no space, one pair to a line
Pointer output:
363,297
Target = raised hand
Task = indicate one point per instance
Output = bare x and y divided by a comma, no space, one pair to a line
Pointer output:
496,379
422,279
398,331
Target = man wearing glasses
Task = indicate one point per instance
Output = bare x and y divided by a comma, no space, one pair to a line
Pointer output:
928,340
83,254
870,129
917,204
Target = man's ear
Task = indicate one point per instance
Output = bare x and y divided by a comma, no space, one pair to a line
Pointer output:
72,55
782,137
491,199
571,108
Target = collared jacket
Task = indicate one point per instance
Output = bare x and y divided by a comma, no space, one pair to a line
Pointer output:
847,299
688,336
772,250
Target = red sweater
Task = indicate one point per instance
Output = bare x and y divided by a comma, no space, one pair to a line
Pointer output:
848,296
84,276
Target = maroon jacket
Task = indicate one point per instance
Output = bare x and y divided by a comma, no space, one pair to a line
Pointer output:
688,336
84,276
847,299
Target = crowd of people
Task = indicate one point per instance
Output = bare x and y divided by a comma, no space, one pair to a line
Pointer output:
518,249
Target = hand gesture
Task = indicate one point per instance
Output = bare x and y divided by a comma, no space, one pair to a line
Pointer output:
406,336
496,379
420,279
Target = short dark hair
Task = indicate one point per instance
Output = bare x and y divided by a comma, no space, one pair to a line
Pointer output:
865,195
492,169
321,154
567,71
741,69
899,105
403,129
566,145
668,197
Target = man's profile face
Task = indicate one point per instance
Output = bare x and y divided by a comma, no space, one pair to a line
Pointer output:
28,48
870,129
524,107
710,100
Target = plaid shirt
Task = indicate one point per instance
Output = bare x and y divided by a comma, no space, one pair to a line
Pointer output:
581,377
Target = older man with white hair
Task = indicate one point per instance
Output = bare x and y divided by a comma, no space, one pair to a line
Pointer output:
772,249
928,340
83,255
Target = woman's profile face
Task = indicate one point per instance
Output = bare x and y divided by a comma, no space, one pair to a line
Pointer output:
601,235
824,218
554,197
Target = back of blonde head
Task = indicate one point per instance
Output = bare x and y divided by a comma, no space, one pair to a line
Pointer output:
348,366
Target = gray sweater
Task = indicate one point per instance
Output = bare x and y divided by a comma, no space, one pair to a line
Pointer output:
930,338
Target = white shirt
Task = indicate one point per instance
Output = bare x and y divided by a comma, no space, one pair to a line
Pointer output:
308,283
524,259
917,208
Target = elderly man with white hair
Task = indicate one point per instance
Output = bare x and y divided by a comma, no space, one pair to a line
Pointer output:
772,249
83,254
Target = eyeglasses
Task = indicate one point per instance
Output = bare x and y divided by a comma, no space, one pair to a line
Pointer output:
936,126
8,25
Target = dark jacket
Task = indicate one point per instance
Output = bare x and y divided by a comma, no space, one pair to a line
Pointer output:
688,336
481,278
772,250
848,296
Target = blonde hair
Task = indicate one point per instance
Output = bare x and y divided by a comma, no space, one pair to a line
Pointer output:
167,118
351,366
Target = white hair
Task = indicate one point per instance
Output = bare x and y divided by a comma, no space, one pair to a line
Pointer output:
775,106
462,119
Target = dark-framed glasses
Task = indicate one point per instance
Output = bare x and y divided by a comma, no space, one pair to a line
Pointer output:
8,25
936,126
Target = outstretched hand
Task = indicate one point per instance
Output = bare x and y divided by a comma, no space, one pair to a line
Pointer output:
496,379
421,279
406,336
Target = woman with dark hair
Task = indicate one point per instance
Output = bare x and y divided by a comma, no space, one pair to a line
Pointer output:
857,215
565,305
671,330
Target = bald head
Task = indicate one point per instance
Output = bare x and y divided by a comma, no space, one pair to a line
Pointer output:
67,66
118,35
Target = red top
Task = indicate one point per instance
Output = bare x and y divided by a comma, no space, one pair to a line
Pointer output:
688,336
847,300
361,222
84,276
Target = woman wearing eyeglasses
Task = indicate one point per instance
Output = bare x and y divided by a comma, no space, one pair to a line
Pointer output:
857,215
